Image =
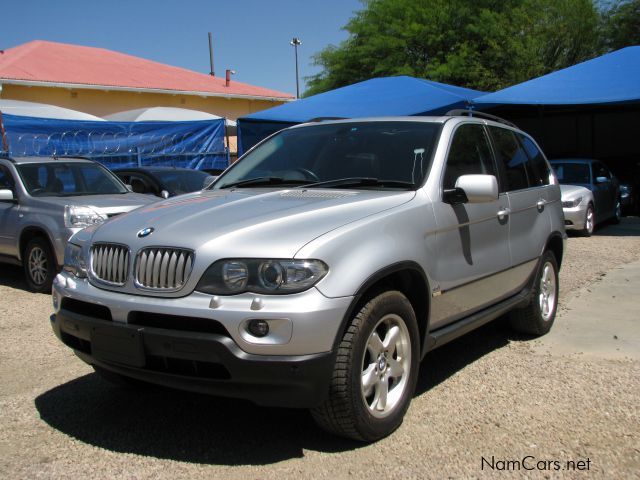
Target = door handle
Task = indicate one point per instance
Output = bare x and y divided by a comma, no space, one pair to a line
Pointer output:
540,205
504,213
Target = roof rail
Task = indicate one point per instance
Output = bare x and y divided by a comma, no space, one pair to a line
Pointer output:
474,113
325,119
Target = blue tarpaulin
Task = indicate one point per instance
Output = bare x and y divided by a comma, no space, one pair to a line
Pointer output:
613,78
197,144
372,98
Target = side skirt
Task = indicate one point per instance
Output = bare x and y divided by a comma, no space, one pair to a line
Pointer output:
443,335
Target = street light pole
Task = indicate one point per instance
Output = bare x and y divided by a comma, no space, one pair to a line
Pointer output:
294,43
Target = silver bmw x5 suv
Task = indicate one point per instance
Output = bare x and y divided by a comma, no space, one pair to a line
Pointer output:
319,269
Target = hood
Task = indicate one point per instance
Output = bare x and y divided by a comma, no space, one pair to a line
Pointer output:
246,222
106,204
573,191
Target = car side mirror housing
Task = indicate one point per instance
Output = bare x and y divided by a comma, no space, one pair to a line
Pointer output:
478,188
7,195
164,194
129,187
602,179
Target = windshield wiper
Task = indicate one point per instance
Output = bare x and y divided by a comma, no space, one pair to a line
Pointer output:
361,182
264,181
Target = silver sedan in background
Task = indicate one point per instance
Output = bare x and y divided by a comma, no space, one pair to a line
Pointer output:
577,205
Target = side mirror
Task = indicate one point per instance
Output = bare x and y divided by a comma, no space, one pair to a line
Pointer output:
7,195
478,188
602,179
129,187
164,194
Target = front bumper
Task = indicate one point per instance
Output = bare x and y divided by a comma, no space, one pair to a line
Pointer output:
200,362
200,342
574,218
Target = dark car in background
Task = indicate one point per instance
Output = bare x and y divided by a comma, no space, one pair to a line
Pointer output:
595,176
164,181
629,197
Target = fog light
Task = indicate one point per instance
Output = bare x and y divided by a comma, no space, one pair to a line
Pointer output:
258,328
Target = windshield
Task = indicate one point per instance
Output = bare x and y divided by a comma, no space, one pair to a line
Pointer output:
572,173
182,181
379,154
64,179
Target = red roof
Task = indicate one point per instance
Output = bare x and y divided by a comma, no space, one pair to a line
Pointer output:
58,63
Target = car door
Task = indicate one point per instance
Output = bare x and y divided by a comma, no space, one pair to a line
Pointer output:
525,187
606,190
472,238
8,215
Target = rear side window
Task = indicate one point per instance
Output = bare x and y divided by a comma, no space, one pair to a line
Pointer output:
6,180
469,154
512,156
539,167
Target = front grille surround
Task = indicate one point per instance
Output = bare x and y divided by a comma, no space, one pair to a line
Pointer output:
110,263
163,269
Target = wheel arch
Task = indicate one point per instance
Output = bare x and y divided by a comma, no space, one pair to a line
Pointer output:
408,278
555,244
28,234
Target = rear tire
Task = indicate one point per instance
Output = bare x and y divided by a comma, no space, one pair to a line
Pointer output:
39,265
617,214
538,317
375,372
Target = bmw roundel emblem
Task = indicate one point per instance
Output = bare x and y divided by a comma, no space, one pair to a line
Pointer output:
145,232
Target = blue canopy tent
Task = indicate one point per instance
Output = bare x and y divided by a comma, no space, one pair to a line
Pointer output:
377,97
197,144
589,110
610,79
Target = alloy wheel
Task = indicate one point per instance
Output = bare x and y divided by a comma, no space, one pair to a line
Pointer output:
386,366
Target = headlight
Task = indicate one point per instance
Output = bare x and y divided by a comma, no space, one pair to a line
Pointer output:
270,276
81,216
572,203
74,261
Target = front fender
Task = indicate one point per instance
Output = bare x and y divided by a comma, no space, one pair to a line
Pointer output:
358,251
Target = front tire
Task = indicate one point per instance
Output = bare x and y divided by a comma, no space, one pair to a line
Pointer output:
375,372
39,265
589,222
538,317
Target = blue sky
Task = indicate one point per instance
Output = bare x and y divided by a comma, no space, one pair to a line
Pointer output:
250,36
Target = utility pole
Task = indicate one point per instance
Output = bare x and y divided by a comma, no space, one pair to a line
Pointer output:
294,43
212,73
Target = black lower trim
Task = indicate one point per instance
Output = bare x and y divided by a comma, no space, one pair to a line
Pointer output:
200,362
9,259
450,332
443,335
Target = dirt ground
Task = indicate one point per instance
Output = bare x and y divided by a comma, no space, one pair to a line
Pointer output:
489,405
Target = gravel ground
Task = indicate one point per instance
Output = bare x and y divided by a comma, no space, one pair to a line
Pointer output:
487,395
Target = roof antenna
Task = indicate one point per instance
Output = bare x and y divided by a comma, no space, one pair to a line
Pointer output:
212,72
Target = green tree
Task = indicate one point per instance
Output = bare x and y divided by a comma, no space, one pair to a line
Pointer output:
482,44
621,25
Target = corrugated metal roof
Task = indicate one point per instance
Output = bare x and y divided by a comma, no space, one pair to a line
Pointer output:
42,62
